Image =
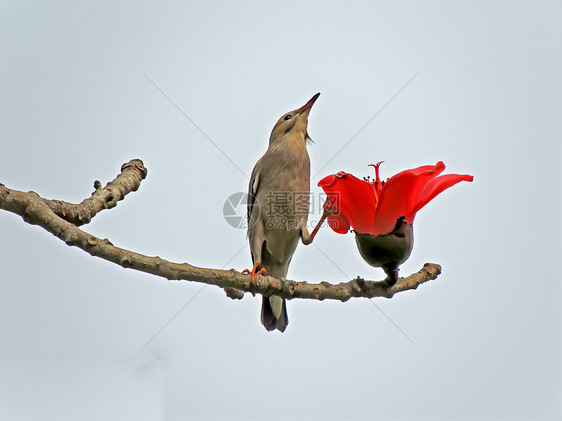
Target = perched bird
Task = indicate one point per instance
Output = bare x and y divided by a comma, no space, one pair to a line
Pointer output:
278,205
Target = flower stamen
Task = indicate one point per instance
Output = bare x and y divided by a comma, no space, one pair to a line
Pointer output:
377,183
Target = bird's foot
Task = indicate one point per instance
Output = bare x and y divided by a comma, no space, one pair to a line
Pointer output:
309,238
259,272
254,273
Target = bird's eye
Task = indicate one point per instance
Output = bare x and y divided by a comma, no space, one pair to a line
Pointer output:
288,117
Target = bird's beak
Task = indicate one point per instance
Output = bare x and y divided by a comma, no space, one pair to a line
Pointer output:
309,104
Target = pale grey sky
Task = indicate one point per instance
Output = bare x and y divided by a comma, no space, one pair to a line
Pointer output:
76,103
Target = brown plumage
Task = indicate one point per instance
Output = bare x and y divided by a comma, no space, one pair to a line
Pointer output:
278,205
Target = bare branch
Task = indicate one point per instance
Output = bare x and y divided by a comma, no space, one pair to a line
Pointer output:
132,173
49,214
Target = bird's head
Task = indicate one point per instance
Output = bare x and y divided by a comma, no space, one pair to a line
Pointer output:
293,124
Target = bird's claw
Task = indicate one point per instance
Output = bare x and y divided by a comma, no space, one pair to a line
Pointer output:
254,273
259,272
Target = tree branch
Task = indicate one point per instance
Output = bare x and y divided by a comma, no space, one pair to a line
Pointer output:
132,173
61,219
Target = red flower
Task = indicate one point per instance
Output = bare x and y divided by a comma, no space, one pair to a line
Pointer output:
373,207
382,213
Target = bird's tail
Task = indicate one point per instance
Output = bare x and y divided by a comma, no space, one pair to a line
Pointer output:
274,313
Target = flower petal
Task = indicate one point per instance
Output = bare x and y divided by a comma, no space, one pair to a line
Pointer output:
354,201
434,187
338,223
400,194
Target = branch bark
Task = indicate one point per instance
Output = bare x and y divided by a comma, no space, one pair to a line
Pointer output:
132,173
62,220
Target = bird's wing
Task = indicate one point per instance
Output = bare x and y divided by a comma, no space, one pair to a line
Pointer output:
252,192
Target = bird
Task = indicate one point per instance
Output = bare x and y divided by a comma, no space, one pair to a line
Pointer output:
278,205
